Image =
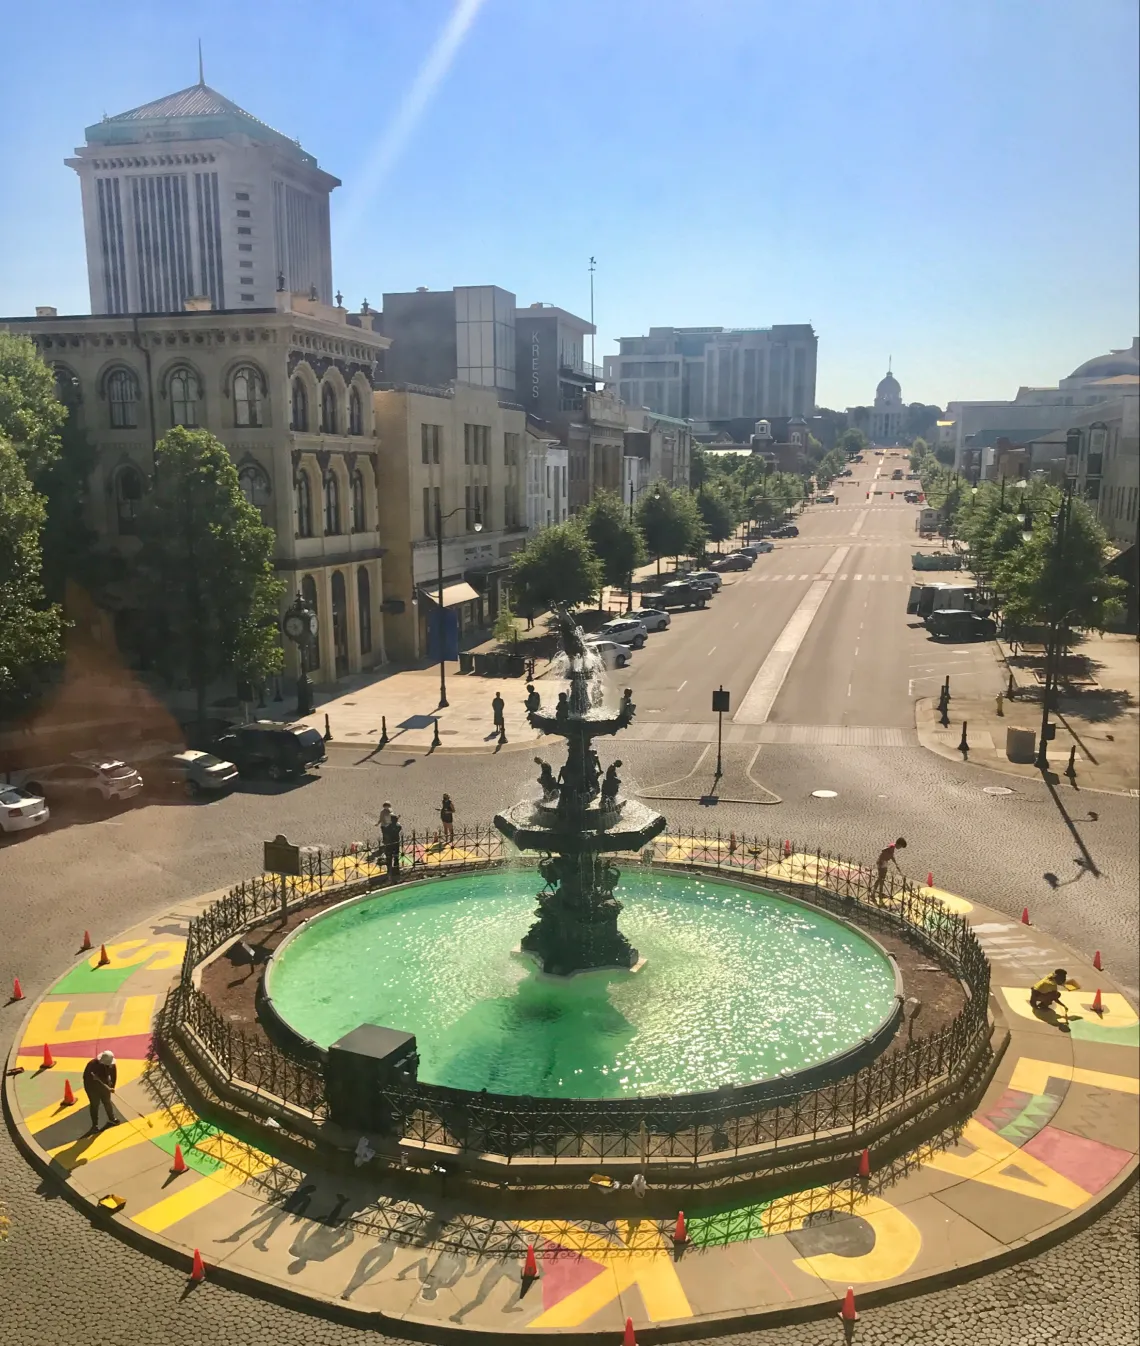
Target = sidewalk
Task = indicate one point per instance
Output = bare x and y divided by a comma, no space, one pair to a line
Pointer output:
1099,716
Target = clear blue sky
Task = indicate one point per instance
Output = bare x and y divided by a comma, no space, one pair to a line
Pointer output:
953,182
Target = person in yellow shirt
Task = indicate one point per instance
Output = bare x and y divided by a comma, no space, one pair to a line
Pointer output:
1047,992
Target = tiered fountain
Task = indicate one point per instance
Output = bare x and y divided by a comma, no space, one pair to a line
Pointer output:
581,819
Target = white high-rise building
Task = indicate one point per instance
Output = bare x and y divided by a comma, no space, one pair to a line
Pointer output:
191,196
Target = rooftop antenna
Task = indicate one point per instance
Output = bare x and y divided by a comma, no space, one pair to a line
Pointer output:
593,265
201,74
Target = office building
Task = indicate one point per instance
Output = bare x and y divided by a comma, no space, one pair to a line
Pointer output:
288,391
713,375
192,196
440,337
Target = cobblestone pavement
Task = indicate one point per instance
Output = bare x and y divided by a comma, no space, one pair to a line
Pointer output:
60,1280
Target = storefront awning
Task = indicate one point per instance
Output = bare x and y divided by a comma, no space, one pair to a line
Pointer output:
453,594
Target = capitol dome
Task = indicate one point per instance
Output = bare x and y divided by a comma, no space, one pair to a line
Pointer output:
1110,366
888,392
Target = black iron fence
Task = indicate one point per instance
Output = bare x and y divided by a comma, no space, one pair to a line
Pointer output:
912,1075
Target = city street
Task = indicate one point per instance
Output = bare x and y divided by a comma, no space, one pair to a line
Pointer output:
849,673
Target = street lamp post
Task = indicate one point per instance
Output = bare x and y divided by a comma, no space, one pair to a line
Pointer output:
629,590
439,521
300,625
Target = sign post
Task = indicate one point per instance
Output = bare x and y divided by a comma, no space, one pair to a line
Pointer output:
282,858
719,705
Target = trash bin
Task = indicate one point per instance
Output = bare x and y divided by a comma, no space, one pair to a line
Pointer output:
466,661
1020,745
515,665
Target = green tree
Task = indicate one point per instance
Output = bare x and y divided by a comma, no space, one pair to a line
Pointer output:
31,631
718,514
670,522
209,593
700,468
504,628
557,565
617,543
830,467
1059,575
31,416
851,442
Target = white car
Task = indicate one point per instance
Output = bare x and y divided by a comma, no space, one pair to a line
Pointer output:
706,577
19,809
626,631
79,780
613,655
653,619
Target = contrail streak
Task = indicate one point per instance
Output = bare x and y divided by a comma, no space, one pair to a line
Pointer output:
399,131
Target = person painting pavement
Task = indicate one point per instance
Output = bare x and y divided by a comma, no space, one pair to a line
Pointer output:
100,1075
883,864
1046,993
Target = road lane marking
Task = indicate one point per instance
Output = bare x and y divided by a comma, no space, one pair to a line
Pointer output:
683,685
858,524
858,577
710,651
757,703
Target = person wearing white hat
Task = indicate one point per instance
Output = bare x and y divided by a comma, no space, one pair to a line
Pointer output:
100,1075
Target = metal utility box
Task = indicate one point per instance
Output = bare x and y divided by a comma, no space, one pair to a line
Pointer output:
360,1067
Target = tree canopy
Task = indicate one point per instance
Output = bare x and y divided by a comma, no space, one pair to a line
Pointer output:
617,543
719,513
31,632
670,521
209,592
557,565
31,416
851,442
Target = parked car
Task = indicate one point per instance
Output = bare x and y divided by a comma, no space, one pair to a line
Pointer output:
21,809
679,594
77,781
192,771
653,619
757,548
613,654
736,562
200,737
825,498
708,577
748,556
626,631
266,748
958,624
786,530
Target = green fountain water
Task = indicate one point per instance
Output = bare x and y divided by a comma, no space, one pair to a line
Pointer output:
738,986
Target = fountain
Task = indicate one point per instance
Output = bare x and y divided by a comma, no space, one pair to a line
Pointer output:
580,820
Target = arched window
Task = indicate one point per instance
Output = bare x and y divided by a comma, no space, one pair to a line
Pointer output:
123,398
328,409
128,493
255,487
184,397
312,656
67,388
304,505
247,397
355,413
300,405
332,504
359,522
364,608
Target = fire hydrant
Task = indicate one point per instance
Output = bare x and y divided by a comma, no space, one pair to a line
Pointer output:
1000,700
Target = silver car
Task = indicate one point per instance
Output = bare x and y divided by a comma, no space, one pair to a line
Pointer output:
653,619
194,772
20,810
84,780
626,631
613,655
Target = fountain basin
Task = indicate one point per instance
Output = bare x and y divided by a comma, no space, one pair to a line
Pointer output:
740,986
538,827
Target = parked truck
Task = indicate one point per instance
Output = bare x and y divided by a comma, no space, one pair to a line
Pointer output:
677,594
940,597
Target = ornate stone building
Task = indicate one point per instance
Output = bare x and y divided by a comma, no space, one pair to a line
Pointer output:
888,411
288,390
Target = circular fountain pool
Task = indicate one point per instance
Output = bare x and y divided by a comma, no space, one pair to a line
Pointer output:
738,986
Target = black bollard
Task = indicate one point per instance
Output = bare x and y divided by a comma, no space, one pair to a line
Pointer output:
1010,688
436,740
1071,769
964,744
383,730
944,710
328,731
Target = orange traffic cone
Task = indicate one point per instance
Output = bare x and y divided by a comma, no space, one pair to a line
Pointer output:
680,1232
86,942
865,1164
530,1264
1097,1006
847,1312
68,1096
930,878
198,1270
1096,963
180,1165
17,989
787,848
103,959
628,1339
49,1060
1024,915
